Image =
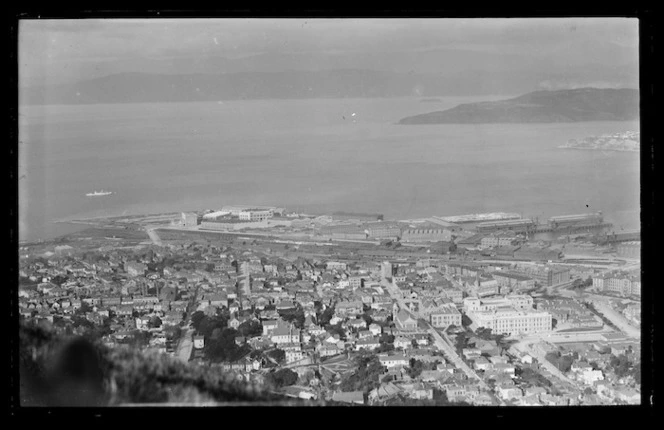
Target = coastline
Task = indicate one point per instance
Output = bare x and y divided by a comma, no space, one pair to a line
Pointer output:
599,149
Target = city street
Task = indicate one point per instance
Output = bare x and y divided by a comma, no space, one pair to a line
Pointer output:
185,345
153,235
526,347
441,343
617,319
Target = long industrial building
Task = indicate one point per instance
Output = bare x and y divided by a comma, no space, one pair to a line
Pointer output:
519,225
576,220
511,321
339,216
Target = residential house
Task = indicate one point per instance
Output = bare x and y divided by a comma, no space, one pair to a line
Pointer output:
294,355
420,391
285,333
348,308
508,393
384,392
364,334
199,341
392,361
327,349
375,329
422,339
358,323
405,321
370,343
481,363
402,342
234,323
471,353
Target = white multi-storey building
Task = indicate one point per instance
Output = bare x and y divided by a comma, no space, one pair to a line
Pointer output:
512,314
446,316
254,215
511,321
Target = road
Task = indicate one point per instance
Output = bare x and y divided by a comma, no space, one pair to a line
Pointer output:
544,362
602,304
617,319
153,235
563,337
245,283
441,342
186,342
185,345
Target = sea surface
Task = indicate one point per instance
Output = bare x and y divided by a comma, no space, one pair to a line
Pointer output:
313,156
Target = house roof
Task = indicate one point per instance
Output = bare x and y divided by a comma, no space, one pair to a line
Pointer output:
404,316
348,397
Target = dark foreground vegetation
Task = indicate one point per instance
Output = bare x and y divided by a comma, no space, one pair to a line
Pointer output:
75,371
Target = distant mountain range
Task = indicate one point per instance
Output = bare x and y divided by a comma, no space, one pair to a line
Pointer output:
583,104
139,87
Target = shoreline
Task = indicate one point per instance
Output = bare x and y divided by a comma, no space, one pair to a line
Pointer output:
599,149
140,222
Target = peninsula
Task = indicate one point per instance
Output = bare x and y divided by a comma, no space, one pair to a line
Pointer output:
628,141
583,104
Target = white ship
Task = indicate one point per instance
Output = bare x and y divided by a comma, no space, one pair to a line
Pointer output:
99,193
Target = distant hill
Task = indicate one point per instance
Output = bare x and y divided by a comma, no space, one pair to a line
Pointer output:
583,104
139,87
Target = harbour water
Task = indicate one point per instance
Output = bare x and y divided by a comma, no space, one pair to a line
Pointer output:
312,155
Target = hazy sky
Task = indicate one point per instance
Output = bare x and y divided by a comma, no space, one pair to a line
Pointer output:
71,49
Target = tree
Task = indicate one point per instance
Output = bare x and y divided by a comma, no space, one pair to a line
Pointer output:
154,322
296,316
281,378
465,321
415,369
85,308
59,279
336,329
326,316
385,347
139,339
173,331
250,328
367,375
621,365
386,338
279,355
367,317
223,347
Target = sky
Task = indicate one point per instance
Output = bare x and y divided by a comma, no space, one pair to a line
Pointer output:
52,51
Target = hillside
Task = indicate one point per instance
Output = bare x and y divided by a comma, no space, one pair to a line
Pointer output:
584,104
153,87
72,371
196,87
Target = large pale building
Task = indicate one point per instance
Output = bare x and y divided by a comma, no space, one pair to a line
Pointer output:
619,283
547,276
236,210
189,219
426,235
512,314
517,301
386,269
511,321
255,215
515,281
499,238
446,316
